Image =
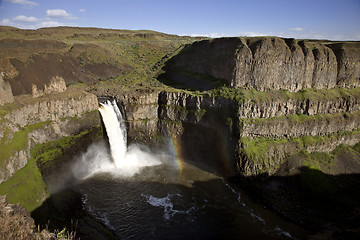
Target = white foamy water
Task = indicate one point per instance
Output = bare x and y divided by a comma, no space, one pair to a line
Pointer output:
116,131
167,204
121,160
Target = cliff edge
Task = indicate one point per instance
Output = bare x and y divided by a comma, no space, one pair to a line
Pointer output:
266,63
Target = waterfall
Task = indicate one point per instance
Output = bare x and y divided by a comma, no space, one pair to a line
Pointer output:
116,131
127,161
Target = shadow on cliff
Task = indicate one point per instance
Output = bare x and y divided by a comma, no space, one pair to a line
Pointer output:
186,70
205,138
209,148
317,200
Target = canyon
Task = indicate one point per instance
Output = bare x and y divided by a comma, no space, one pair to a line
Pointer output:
283,114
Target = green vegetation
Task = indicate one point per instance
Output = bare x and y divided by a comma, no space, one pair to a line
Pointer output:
241,95
319,160
137,57
128,59
47,154
17,143
303,118
8,107
257,150
25,187
236,95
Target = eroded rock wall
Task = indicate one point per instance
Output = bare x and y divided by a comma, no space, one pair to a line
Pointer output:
298,126
6,95
307,106
28,121
271,63
277,128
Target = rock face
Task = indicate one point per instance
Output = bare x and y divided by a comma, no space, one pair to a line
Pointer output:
307,106
57,84
5,92
140,110
298,126
278,127
270,63
29,121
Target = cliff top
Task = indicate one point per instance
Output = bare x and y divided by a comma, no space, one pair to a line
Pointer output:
104,59
83,55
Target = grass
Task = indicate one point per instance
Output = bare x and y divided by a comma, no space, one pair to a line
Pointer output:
137,54
304,119
17,143
253,96
233,94
26,187
47,153
256,150
319,160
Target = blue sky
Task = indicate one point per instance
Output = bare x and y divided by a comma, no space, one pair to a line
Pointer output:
320,19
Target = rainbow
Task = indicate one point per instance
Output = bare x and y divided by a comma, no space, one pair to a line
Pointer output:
176,153
224,152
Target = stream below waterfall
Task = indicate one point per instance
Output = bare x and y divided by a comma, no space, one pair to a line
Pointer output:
161,203
143,194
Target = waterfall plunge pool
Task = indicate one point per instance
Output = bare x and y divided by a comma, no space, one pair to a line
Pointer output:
143,194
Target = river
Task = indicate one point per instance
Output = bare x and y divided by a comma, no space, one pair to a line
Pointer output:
144,194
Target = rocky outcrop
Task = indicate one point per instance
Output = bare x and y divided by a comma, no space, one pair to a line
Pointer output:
6,95
189,100
261,130
347,56
29,121
298,126
270,63
308,106
52,108
57,84
269,155
185,107
140,110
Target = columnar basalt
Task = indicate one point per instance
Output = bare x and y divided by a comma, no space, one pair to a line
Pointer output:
270,63
28,121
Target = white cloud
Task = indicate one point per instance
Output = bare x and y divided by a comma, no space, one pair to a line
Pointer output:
219,35
6,22
82,10
23,2
18,24
59,13
251,34
34,25
210,35
50,24
22,18
195,35
296,29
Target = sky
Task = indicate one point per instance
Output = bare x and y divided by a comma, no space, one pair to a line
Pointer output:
314,19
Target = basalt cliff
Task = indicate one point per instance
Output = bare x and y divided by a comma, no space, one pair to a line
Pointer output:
278,116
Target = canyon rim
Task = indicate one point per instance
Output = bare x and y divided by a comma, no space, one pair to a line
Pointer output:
279,118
